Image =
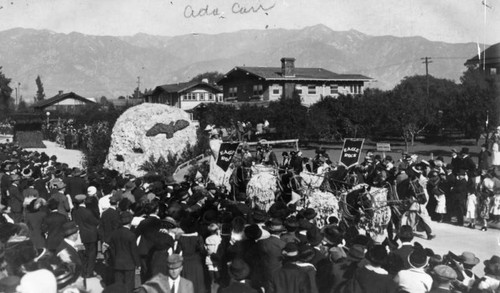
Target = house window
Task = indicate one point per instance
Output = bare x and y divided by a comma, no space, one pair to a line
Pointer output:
493,71
190,96
276,91
334,89
258,90
210,97
311,89
202,96
233,92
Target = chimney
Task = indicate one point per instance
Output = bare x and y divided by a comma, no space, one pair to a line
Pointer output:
288,67
60,93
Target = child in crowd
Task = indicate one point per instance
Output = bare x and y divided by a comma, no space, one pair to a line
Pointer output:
485,196
440,206
211,245
495,208
471,209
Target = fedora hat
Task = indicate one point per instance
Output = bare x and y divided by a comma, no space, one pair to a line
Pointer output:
69,228
469,258
175,261
418,258
290,251
356,252
465,151
239,269
275,225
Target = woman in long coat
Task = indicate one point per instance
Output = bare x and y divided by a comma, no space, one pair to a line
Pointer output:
192,247
35,214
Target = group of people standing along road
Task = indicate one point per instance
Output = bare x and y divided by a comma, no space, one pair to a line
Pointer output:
63,229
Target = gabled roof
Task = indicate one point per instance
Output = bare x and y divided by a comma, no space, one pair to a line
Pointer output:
182,87
60,97
488,56
274,73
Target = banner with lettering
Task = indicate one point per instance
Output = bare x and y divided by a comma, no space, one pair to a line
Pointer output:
226,153
351,152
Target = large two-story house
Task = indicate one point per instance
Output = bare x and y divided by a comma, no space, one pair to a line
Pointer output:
245,84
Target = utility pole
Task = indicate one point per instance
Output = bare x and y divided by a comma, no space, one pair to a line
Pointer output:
427,60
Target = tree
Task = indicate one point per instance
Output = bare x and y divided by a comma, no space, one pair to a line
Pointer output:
212,77
22,106
40,94
289,116
5,93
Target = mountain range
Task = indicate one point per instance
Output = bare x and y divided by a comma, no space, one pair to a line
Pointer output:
95,66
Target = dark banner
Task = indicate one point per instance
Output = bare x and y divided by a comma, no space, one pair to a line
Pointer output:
226,153
351,151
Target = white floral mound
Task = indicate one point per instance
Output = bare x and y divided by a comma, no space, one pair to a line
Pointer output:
261,190
326,204
130,147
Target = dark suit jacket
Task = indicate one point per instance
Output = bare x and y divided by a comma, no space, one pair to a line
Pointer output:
270,253
110,221
159,283
147,229
290,279
16,199
402,253
75,185
87,224
123,249
52,225
238,288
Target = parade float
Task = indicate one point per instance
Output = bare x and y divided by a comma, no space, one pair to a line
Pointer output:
147,130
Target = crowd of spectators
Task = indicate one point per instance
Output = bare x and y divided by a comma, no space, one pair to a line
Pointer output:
68,230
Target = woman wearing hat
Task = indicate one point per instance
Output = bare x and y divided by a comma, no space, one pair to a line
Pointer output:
496,148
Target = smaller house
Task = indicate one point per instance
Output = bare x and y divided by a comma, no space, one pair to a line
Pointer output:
488,61
185,95
63,102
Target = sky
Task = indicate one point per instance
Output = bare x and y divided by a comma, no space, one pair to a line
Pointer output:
454,21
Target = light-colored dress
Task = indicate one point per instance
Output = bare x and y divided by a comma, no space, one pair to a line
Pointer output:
495,161
495,207
441,204
471,206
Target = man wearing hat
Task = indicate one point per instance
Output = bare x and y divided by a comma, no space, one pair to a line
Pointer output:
443,276
16,199
239,272
173,283
52,225
459,197
75,184
110,220
67,250
87,223
406,236
415,279
124,254
58,189
466,163
290,278
271,247
468,260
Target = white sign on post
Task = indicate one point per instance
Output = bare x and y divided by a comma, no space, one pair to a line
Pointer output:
383,147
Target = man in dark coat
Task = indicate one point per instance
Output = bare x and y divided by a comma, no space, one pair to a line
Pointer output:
466,163
87,223
271,247
239,272
290,278
110,220
67,250
124,252
75,184
16,199
148,229
406,236
52,225
459,197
